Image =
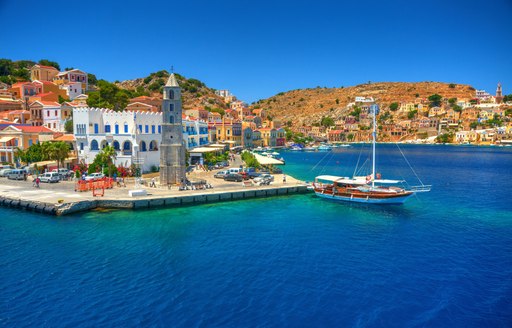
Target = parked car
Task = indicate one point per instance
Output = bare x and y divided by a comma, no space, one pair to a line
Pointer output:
49,177
233,177
5,171
264,178
221,174
94,176
18,174
253,174
63,173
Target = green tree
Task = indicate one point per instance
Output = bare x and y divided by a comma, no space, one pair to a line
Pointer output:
91,78
411,114
47,62
68,126
356,112
62,99
350,137
444,138
327,121
435,100
60,152
21,155
6,67
393,106
451,85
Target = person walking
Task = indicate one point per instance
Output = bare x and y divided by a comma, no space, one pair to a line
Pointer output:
284,178
153,184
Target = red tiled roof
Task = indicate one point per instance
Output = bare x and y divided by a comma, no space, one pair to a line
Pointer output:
14,112
47,67
18,84
32,129
65,137
44,82
45,103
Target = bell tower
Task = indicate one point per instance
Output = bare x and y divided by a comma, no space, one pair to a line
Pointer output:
172,149
499,94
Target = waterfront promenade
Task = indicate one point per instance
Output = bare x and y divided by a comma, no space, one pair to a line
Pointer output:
61,198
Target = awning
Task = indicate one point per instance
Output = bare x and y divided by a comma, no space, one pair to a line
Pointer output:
204,150
263,160
6,139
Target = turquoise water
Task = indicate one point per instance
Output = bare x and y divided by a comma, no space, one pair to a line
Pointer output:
443,259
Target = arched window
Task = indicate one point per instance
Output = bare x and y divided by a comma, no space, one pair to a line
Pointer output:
153,146
171,119
171,107
104,144
125,127
116,145
127,148
171,94
116,128
94,145
143,146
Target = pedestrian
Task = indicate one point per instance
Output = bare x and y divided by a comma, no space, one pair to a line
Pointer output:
284,178
37,182
153,184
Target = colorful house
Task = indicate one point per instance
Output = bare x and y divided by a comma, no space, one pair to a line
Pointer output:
20,136
43,73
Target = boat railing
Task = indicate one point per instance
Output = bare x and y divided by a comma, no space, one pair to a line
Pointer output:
423,188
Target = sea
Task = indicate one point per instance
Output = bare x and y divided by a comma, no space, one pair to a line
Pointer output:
443,259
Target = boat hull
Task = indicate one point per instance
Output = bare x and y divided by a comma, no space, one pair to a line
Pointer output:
369,199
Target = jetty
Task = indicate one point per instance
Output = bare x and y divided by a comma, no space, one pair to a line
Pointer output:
61,198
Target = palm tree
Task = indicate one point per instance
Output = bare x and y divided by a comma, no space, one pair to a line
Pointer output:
61,152
109,156
21,155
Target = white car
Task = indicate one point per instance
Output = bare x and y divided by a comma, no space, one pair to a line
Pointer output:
49,177
4,172
221,174
94,176
264,178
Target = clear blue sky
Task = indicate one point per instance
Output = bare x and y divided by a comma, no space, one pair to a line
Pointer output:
259,48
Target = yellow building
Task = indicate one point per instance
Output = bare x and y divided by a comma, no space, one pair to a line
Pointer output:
43,73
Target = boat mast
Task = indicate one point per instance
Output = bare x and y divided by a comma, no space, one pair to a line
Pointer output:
374,137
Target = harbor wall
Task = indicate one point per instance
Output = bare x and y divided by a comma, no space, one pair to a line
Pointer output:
147,201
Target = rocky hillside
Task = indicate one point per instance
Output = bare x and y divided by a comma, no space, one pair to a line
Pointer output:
309,105
194,92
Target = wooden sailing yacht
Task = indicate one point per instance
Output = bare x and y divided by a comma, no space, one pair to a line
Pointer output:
365,189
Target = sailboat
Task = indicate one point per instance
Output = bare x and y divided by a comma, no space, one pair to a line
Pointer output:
371,189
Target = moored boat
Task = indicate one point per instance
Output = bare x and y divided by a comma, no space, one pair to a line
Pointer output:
370,189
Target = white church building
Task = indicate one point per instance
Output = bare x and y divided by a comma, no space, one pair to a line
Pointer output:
135,135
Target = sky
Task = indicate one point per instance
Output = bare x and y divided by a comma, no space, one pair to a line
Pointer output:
257,49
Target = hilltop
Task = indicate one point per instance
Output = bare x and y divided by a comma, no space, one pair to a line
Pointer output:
310,105
116,95
194,92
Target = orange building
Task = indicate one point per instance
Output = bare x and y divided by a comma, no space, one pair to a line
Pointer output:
20,136
43,87
20,90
